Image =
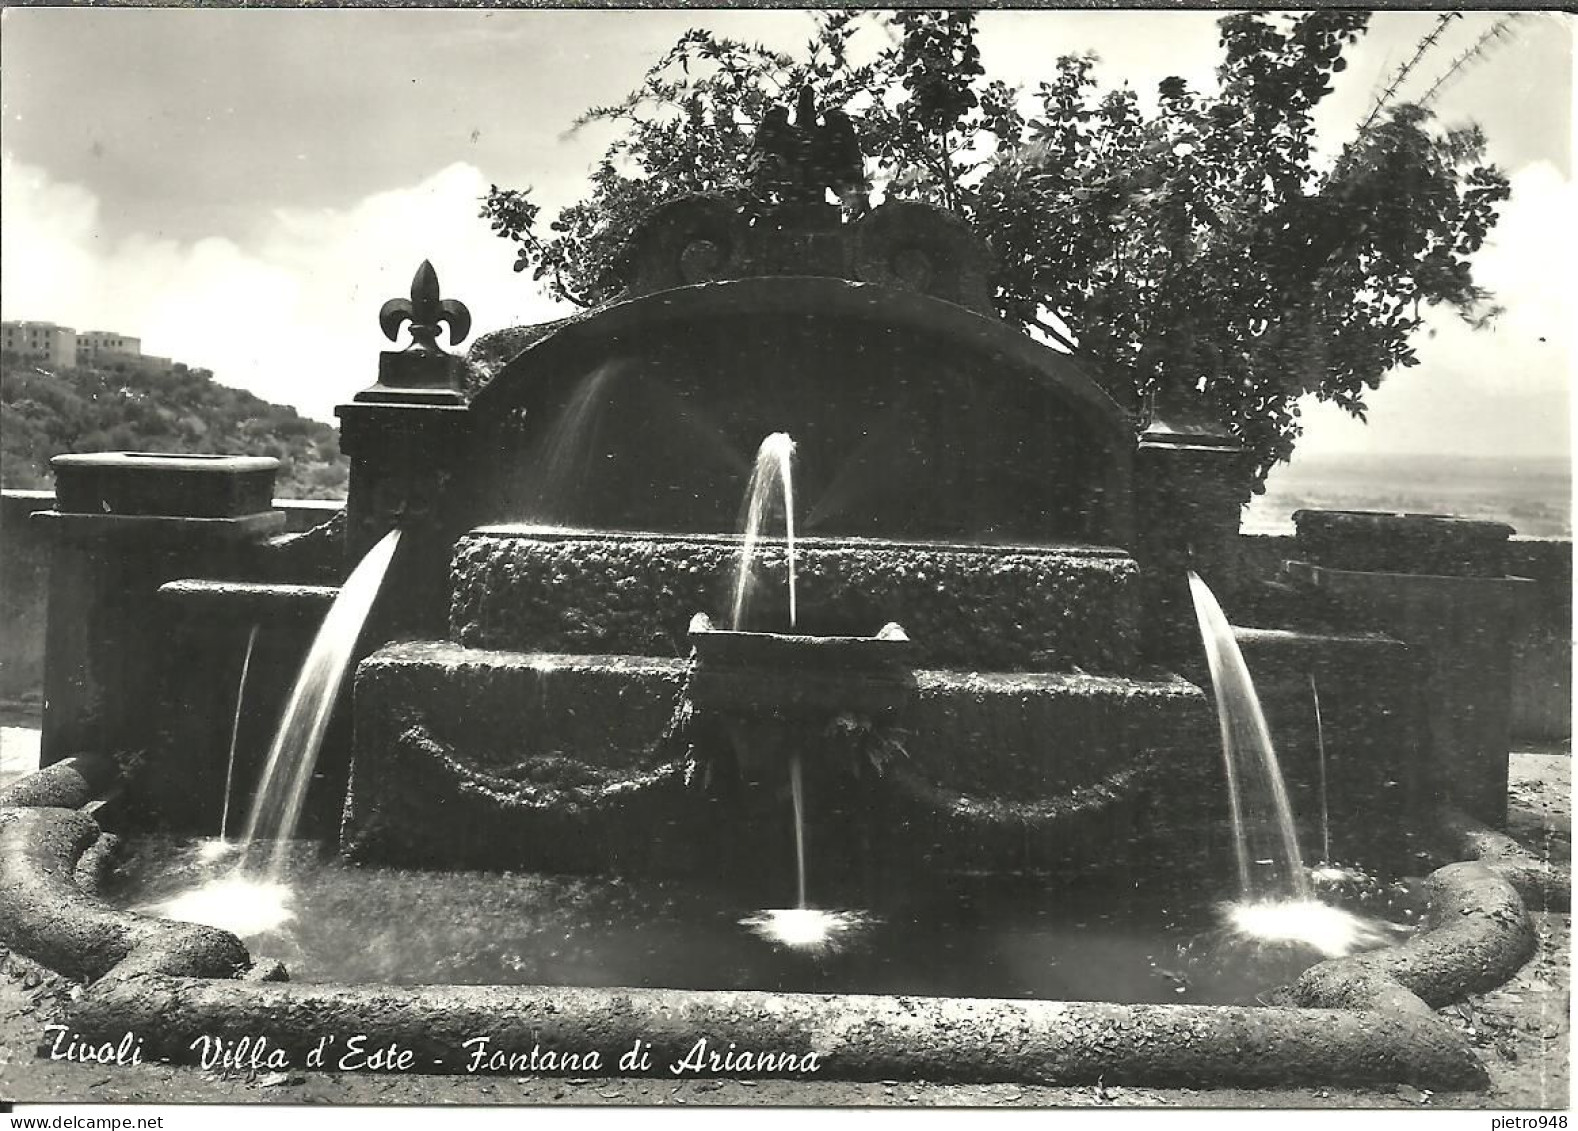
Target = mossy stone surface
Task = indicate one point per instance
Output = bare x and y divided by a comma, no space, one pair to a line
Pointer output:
973,608
470,757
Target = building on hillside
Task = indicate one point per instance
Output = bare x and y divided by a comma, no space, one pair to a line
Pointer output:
61,345
39,341
142,363
96,346
118,353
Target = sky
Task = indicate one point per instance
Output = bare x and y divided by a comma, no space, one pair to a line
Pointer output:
242,188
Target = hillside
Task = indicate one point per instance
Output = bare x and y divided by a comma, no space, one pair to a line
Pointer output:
46,411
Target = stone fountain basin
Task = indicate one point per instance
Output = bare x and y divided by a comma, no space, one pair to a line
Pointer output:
774,673
885,649
159,484
1361,1020
249,602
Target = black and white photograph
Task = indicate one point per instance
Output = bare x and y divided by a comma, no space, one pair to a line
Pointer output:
785,558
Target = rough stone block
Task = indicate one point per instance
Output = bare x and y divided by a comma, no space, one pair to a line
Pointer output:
1009,608
467,757
149,483
606,711
1461,630
1030,735
1377,784
1378,542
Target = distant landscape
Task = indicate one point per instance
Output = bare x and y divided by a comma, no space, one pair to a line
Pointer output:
1533,496
47,410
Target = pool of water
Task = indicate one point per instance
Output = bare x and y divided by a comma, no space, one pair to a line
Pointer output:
965,936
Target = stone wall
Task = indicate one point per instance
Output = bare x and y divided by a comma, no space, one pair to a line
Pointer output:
1542,660
1542,656
24,582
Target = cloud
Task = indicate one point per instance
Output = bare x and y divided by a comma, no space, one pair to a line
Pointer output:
292,315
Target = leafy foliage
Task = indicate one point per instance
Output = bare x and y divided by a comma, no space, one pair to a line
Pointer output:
46,411
1199,247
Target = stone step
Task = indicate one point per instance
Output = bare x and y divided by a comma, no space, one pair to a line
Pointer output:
552,759
1031,734
979,608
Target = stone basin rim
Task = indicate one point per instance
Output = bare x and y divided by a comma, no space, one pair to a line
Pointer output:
161,991
1418,521
201,463
1342,1005
1318,576
802,542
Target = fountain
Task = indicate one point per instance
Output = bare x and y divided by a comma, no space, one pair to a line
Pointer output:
1276,902
1320,753
252,896
771,474
984,693
1265,842
276,808
235,732
801,927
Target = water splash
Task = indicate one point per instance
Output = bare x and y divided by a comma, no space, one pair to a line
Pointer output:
1333,931
770,478
245,906
219,848
235,732
809,929
803,928
1265,840
276,809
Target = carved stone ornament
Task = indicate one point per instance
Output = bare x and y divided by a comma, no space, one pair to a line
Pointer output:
425,311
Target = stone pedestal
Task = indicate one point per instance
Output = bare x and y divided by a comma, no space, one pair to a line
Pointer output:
407,438
126,523
1457,613
1189,475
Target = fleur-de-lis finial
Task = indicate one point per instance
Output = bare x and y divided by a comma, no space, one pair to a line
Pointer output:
425,311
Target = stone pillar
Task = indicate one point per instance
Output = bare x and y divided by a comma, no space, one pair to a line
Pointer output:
411,467
1189,479
1438,584
123,524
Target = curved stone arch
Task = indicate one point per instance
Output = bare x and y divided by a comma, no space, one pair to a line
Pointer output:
875,314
